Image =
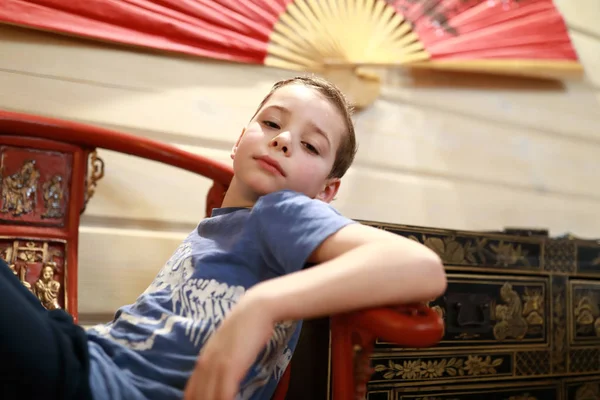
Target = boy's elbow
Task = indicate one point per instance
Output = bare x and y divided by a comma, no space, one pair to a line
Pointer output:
435,272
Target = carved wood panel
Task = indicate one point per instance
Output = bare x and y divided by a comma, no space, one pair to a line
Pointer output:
35,186
40,265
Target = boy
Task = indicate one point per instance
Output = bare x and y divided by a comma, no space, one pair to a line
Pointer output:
222,318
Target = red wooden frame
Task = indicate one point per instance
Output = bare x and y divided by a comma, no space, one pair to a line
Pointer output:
409,326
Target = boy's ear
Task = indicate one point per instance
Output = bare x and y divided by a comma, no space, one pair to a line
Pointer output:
237,143
330,190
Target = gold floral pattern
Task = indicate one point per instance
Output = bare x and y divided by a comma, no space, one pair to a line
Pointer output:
509,254
475,251
455,366
96,173
586,313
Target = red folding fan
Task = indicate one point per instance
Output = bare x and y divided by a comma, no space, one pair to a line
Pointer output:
523,37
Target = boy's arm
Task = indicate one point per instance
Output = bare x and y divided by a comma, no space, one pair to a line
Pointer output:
357,267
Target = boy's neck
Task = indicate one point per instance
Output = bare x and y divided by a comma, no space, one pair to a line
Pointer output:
238,196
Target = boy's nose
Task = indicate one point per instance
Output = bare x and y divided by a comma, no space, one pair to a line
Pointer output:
282,142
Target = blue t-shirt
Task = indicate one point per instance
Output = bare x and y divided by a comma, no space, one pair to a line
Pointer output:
150,348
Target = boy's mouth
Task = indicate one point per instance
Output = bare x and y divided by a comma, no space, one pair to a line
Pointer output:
270,164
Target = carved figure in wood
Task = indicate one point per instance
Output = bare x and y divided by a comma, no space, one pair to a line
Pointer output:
46,288
53,196
19,190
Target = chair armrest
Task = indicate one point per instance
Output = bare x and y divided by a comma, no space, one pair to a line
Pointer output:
415,326
353,336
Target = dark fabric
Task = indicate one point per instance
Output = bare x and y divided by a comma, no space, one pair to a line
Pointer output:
44,355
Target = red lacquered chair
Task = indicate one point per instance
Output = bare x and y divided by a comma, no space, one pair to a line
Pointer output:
72,144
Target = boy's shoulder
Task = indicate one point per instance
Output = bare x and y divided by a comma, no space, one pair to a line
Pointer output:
289,200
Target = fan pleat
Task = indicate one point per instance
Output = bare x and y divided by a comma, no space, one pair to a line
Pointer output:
232,19
480,17
319,34
531,31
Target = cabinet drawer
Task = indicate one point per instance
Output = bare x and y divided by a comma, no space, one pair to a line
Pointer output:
584,327
491,311
587,388
545,390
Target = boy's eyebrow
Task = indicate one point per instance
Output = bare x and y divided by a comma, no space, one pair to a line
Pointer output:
312,125
321,132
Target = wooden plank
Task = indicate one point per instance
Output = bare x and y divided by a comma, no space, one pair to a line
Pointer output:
430,201
116,266
429,142
162,93
404,138
137,189
195,111
400,139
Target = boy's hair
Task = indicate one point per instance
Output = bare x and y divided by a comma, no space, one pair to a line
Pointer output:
347,149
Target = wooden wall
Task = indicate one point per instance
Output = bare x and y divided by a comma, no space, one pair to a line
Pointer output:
435,151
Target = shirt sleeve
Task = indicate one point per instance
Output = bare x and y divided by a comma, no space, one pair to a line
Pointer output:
291,226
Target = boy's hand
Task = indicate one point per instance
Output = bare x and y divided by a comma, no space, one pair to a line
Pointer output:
230,352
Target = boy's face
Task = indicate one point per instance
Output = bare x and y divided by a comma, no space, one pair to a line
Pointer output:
291,143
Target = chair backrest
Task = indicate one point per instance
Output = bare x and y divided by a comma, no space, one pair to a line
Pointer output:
50,169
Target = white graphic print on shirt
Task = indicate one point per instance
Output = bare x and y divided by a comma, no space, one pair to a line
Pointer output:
197,307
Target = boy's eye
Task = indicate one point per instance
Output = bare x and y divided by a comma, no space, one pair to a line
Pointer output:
310,148
271,124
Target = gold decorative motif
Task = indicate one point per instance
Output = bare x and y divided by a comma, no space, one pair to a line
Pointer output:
19,190
17,256
475,251
417,369
449,249
509,254
96,169
53,197
533,309
46,288
587,314
20,272
588,391
30,253
511,323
